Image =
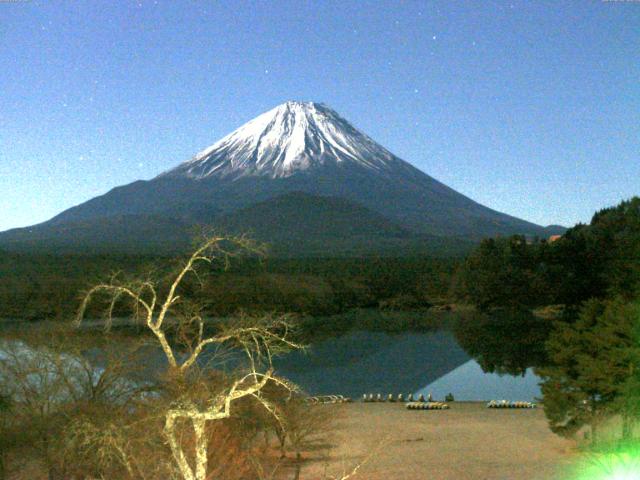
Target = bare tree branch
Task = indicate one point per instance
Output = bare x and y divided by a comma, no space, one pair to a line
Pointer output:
259,339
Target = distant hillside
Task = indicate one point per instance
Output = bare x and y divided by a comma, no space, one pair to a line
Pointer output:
301,215
300,224
137,234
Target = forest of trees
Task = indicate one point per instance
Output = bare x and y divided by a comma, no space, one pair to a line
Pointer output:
47,287
598,260
590,358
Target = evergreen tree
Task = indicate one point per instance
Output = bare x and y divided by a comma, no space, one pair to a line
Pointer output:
594,364
501,272
599,260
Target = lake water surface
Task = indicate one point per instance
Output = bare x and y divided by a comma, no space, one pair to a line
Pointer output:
362,362
374,362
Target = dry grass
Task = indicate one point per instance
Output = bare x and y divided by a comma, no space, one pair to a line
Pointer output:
468,441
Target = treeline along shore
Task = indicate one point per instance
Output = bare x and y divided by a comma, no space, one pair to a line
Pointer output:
48,287
588,354
499,277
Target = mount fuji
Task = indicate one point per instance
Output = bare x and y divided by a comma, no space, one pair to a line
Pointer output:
299,176
292,138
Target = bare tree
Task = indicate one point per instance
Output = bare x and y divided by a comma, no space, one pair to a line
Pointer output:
258,339
304,427
50,383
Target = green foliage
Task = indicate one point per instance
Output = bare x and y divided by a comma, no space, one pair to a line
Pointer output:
594,364
590,361
589,261
5,404
503,272
615,243
38,287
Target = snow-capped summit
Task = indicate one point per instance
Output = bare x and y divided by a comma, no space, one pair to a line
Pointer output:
293,137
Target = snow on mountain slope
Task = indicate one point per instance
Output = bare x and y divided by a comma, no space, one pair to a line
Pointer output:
293,137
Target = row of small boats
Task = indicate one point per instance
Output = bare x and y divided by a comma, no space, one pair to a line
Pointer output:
427,406
508,404
369,398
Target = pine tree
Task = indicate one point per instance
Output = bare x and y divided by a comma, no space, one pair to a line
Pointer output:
594,370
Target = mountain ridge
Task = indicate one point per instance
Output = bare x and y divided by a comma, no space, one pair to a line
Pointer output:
295,147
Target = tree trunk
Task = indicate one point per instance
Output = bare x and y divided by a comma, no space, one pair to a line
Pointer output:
176,448
627,427
298,466
282,439
199,426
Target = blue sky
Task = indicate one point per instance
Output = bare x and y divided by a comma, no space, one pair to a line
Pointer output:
529,107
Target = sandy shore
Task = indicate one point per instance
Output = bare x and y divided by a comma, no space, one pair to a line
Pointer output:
468,441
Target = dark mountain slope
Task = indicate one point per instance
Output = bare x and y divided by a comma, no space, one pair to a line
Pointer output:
295,224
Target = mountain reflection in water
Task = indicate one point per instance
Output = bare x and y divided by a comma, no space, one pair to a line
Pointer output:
370,362
362,362
468,382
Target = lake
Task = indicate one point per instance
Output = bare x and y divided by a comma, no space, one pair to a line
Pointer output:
362,362
375,362
469,383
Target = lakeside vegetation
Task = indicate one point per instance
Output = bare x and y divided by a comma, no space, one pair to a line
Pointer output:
590,363
48,287
67,414
599,260
570,309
